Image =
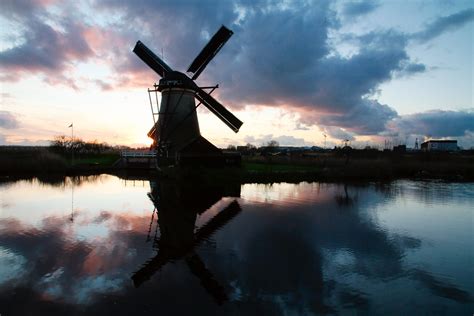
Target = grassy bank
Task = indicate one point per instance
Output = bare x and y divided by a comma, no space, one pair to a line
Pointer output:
333,168
42,162
20,161
385,166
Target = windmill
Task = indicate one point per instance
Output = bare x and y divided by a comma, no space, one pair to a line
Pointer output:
175,131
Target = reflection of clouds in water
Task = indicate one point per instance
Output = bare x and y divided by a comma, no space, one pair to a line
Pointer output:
63,266
58,181
306,254
12,265
284,193
50,284
89,287
441,288
347,232
428,192
32,201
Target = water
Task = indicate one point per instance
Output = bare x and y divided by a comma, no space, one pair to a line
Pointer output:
96,245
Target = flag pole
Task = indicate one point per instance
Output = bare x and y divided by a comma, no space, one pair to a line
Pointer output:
72,143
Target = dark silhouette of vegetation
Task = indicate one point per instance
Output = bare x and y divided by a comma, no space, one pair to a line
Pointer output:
64,155
30,160
264,164
63,144
273,144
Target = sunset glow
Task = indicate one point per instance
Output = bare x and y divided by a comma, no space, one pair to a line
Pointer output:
366,71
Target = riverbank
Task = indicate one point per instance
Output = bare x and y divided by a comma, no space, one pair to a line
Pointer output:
40,162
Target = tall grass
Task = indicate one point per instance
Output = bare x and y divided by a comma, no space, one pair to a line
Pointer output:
36,160
16,160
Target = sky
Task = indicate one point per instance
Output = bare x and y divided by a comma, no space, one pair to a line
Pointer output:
371,72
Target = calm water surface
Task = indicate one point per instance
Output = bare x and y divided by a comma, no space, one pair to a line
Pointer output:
103,245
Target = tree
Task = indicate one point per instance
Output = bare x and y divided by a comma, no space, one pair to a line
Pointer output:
273,144
60,143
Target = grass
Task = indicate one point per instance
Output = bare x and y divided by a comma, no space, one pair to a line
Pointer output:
105,160
456,166
16,160
250,166
36,161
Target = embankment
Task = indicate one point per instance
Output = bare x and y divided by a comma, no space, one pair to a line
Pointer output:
27,162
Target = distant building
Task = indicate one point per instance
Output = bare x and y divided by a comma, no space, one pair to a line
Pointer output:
440,145
400,149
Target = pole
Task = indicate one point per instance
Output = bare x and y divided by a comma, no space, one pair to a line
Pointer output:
72,201
72,131
72,143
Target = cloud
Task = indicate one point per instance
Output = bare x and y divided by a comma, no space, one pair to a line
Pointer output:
280,54
368,118
301,127
436,123
339,133
271,70
355,9
263,65
47,44
411,68
104,86
8,120
444,24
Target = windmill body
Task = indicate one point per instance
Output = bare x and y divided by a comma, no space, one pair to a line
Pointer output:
176,133
177,123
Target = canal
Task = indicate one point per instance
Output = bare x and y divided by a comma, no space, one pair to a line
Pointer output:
103,245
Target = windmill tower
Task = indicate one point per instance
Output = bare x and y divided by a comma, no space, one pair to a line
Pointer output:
175,132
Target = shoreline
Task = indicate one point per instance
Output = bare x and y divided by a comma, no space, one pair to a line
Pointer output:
360,165
239,175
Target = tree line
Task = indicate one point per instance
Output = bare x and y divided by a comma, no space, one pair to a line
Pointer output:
65,144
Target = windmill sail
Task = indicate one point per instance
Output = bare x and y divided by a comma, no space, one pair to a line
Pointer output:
219,110
153,61
208,281
217,222
209,51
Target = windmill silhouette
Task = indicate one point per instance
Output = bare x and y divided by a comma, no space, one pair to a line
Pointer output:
175,131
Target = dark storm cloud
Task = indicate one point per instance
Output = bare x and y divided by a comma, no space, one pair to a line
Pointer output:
45,49
437,123
367,118
20,7
273,67
8,120
412,68
444,24
180,28
355,9
338,133
42,48
280,54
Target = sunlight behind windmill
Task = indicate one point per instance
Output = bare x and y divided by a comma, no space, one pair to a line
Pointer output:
175,131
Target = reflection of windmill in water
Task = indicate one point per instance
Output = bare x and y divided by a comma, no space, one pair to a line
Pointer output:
177,207
175,131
